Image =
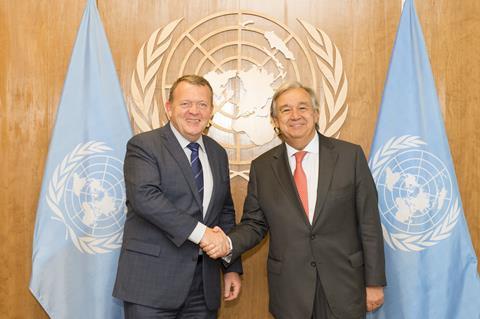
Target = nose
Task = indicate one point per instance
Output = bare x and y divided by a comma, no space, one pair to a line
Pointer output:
193,108
295,113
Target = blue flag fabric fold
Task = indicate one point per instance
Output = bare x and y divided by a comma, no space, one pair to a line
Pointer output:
81,210
430,262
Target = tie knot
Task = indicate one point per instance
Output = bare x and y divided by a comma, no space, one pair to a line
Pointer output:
193,147
300,155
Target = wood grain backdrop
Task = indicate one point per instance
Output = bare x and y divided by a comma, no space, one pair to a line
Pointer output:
36,42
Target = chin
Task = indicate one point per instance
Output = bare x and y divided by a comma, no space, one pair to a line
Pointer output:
194,129
298,134
196,133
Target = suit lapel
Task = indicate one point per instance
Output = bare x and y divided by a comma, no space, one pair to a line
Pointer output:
327,158
216,173
173,146
283,172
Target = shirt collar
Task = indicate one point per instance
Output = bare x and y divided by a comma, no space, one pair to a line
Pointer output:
183,141
312,147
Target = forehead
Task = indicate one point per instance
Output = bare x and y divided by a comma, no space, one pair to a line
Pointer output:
185,89
294,96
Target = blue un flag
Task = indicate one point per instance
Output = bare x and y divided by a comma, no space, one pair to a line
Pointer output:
81,210
430,262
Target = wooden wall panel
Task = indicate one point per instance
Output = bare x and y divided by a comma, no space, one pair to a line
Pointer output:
36,39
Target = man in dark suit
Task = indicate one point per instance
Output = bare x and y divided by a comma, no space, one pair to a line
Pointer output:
178,194
316,197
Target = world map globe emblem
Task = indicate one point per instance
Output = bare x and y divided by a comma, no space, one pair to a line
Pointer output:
244,60
94,197
415,192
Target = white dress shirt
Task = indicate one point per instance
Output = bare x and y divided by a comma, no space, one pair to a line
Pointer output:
199,230
310,167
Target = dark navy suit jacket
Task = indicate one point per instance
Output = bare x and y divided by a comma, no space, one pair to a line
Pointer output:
157,261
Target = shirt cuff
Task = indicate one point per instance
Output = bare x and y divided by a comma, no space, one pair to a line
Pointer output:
197,233
228,258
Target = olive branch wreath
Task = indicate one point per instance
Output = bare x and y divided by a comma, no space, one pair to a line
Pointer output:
334,81
144,109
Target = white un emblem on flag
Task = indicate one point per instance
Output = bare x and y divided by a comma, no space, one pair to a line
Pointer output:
87,194
415,190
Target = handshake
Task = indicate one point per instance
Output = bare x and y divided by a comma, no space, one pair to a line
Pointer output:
215,243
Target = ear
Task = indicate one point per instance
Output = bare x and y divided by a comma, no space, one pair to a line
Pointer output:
274,122
168,107
316,115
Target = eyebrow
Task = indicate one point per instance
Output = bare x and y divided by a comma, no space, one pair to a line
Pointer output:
193,101
299,104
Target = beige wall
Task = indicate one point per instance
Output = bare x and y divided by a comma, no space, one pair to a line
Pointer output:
36,43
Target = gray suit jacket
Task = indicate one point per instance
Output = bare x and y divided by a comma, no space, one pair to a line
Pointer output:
157,261
344,244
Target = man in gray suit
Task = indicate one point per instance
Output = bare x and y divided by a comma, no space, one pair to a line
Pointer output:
316,197
178,194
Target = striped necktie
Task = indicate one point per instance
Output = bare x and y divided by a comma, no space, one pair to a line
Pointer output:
196,168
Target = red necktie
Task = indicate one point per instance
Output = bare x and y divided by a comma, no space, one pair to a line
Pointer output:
301,180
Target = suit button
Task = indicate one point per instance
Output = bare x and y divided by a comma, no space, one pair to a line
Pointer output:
313,264
312,237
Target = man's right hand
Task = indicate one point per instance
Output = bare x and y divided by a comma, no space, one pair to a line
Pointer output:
215,243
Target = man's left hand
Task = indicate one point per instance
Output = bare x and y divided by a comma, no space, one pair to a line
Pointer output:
374,298
232,283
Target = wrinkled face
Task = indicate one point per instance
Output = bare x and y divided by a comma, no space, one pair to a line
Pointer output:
296,117
190,109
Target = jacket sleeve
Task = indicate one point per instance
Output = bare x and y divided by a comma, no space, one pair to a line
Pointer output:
228,222
366,201
253,226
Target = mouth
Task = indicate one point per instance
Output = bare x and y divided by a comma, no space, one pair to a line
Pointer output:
296,125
